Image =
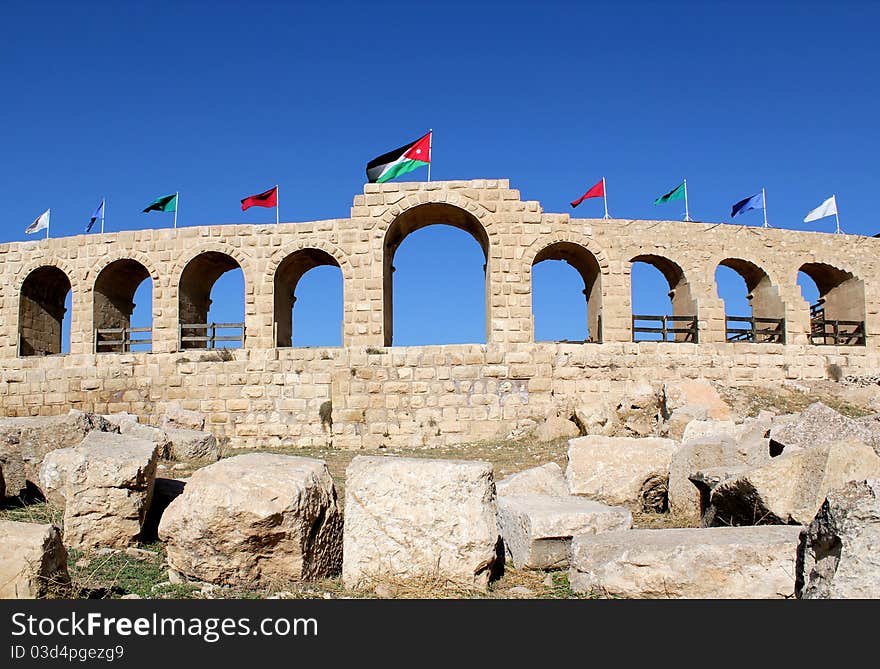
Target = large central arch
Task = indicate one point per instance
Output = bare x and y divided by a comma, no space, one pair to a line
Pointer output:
416,218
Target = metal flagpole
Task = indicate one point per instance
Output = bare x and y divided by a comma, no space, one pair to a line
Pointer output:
277,199
836,214
176,206
764,199
48,218
687,215
605,197
103,213
430,150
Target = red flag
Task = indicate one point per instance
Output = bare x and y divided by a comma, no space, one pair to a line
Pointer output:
596,191
267,199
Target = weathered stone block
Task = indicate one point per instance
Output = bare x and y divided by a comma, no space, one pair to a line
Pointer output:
548,479
33,560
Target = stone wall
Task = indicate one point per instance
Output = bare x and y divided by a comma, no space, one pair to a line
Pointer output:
412,395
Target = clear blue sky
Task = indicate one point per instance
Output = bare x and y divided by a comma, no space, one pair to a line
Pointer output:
221,100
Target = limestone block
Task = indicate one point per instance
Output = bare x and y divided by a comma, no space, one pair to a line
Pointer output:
25,441
695,394
148,433
32,560
688,563
176,417
791,487
105,484
837,555
548,479
120,419
554,427
255,519
413,518
818,424
537,529
620,470
192,445
598,418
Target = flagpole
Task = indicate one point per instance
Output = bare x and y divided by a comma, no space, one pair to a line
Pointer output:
48,219
687,215
430,150
764,199
605,197
277,200
836,214
103,213
176,206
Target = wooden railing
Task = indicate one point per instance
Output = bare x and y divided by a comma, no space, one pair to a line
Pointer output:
209,338
751,329
689,332
837,333
123,340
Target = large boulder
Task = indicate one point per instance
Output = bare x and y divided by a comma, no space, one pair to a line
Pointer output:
24,443
537,529
192,445
598,418
419,519
105,484
33,560
620,470
819,424
790,488
255,519
176,418
690,563
838,556
687,400
548,479
637,414
555,427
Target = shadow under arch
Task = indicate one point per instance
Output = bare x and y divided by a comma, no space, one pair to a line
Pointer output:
587,265
114,291
838,316
416,218
194,301
684,305
767,321
287,276
41,311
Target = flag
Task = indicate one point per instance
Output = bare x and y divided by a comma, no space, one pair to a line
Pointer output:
596,191
827,208
41,223
400,161
754,202
268,198
99,213
676,193
166,203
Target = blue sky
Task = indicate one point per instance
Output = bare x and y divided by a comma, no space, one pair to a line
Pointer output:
222,100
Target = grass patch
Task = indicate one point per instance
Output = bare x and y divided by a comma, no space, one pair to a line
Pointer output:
39,512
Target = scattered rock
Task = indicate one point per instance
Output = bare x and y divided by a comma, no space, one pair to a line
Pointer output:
24,442
192,445
384,591
32,560
121,418
548,581
256,518
637,414
521,591
838,556
148,433
598,418
537,529
791,488
620,470
548,479
554,427
131,595
176,417
712,563
819,424
690,399
140,554
106,483
415,518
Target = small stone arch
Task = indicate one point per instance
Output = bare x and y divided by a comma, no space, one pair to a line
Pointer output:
286,273
768,308
42,294
838,316
113,304
684,303
195,277
416,216
585,257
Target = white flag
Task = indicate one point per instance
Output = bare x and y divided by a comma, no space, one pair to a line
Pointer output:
827,208
41,223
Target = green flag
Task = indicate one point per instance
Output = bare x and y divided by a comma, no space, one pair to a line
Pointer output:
167,203
676,193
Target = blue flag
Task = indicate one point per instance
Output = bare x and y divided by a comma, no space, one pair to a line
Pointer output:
753,202
99,213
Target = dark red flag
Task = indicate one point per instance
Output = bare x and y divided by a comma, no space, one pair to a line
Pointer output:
267,199
596,191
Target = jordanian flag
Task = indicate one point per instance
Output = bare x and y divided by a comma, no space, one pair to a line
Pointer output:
400,161
166,203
